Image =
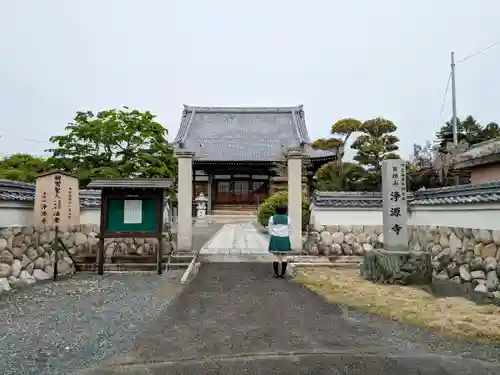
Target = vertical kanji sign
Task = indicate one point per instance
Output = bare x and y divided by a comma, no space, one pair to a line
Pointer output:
57,199
395,206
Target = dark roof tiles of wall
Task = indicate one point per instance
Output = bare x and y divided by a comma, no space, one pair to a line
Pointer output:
488,192
22,191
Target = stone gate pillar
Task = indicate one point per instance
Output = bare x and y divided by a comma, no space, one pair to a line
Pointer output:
184,200
295,197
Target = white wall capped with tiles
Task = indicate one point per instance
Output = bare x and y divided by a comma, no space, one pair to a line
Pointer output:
476,216
20,213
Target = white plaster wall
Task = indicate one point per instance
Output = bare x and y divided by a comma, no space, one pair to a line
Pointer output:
90,216
475,216
347,216
16,214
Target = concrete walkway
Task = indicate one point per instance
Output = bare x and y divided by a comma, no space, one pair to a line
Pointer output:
237,242
235,318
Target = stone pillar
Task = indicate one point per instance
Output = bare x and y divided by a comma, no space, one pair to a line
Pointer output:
395,205
396,263
209,193
184,200
57,199
295,198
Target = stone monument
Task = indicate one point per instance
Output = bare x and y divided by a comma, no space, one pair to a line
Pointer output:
57,201
396,262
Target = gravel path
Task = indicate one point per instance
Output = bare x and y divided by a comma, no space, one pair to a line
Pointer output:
56,328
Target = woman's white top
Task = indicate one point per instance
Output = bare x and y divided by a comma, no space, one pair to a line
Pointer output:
279,230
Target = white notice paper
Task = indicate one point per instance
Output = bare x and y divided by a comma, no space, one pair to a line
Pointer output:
132,212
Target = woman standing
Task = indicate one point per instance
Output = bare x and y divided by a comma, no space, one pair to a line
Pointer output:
279,243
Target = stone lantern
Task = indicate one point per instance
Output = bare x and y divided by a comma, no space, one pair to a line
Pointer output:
201,206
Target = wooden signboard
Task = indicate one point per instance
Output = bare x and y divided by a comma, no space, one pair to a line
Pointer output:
131,208
57,200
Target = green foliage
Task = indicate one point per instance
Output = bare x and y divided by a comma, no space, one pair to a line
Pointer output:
22,167
112,144
337,176
346,127
268,207
376,144
327,144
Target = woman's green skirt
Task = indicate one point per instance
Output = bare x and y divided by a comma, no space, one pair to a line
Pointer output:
279,244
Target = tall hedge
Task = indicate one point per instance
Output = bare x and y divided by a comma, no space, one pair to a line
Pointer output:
268,207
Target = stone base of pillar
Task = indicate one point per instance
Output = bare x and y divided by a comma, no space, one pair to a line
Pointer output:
397,267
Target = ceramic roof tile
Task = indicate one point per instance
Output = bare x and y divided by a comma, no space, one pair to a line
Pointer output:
243,134
154,183
488,192
22,191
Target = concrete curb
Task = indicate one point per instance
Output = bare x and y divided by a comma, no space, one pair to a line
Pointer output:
191,271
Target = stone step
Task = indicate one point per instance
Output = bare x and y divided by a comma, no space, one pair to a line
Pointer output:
181,258
233,212
235,258
118,259
235,207
133,267
123,267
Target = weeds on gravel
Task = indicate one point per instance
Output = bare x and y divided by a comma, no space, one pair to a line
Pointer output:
457,317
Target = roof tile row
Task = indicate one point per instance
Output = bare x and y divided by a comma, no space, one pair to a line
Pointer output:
488,192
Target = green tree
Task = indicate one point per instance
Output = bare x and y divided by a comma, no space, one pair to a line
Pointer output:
114,143
328,144
22,167
491,131
346,127
468,130
336,176
377,143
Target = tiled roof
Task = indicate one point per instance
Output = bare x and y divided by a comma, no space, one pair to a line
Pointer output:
22,191
146,183
488,192
342,199
16,190
244,134
478,154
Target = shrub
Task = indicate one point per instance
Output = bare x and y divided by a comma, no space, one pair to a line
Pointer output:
267,208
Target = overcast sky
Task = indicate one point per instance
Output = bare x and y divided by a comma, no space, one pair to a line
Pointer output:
359,59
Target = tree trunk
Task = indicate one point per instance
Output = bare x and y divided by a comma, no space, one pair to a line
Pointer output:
397,267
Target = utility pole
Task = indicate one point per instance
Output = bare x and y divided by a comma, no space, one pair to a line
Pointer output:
454,108
454,101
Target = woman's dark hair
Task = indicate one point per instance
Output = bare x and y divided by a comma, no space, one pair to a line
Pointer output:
281,210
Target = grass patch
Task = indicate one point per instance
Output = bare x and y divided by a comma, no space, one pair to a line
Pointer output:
456,316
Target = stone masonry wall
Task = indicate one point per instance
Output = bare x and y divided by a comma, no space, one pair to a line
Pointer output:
344,240
27,253
461,255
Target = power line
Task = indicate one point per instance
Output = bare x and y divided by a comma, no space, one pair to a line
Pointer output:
480,51
444,99
24,139
449,76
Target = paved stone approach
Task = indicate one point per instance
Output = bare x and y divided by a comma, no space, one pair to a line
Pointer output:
236,242
235,318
